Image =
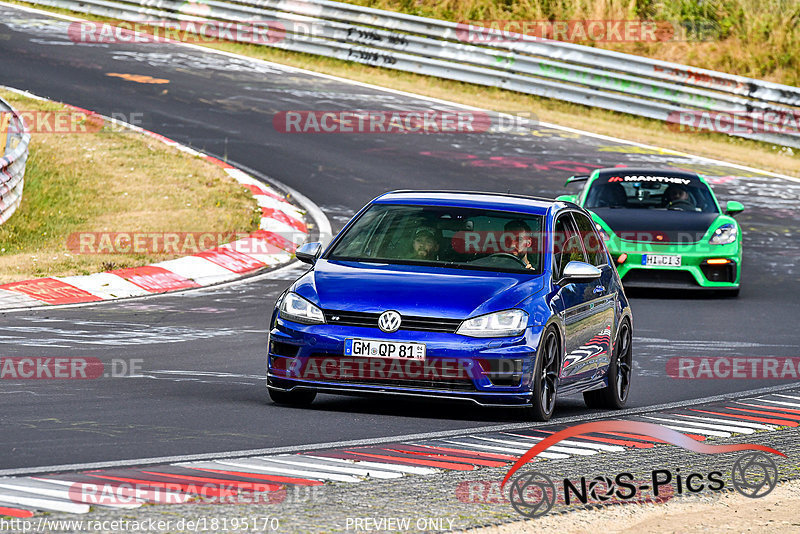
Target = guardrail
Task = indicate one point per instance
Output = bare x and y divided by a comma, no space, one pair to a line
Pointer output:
14,140
565,71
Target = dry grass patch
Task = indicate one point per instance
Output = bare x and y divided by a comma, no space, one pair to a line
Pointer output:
111,181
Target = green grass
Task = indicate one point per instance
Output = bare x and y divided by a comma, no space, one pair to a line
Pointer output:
111,181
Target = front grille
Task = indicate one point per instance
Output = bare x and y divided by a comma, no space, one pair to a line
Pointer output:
409,322
658,277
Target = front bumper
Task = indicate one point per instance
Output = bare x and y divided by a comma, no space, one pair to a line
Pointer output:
486,371
695,271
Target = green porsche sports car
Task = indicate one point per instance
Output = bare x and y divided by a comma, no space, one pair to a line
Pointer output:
664,228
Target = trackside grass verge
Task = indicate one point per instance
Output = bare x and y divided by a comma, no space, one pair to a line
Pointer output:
713,145
112,180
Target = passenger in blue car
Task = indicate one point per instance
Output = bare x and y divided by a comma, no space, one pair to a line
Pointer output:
425,245
520,242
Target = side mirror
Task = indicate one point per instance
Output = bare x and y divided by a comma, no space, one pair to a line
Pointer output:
733,207
309,252
578,271
568,198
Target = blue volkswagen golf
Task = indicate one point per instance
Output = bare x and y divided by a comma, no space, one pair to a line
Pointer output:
501,300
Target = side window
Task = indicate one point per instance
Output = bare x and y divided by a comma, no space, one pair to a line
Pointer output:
566,245
595,250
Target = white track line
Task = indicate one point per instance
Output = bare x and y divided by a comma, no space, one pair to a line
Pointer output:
48,488
302,461
727,430
780,403
554,448
254,466
758,426
579,444
407,469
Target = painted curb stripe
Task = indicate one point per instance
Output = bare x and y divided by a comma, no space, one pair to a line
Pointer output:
155,279
15,512
185,488
415,461
746,424
319,464
250,486
496,456
232,260
408,469
447,457
269,478
51,291
775,410
779,422
271,213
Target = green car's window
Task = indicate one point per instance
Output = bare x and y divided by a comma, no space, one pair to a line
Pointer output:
651,192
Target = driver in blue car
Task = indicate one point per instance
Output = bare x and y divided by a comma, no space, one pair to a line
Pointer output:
425,245
520,241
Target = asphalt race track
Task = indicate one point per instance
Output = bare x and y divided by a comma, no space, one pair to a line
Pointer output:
201,386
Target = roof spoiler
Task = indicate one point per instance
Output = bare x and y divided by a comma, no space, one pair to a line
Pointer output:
577,178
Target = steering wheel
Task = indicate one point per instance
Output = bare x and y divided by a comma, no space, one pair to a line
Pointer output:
683,205
507,255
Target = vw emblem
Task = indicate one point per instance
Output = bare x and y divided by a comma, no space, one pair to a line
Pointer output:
389,321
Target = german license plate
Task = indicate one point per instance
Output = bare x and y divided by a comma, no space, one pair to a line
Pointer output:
378,348
661,260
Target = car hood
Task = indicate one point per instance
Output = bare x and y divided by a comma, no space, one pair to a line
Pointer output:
414,290
646,225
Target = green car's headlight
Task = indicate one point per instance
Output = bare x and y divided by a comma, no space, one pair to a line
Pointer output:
724,235
500,324
295,308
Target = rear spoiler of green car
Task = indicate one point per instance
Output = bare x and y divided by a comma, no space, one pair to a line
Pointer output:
577,178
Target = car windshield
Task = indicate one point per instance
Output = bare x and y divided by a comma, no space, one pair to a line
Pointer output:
651,192
465,238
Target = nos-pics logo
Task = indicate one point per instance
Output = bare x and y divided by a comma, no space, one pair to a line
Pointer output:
754,474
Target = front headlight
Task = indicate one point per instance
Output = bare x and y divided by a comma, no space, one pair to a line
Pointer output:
295,308
500,324
724,234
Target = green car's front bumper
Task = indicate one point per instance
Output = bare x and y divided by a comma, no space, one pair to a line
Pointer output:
695,271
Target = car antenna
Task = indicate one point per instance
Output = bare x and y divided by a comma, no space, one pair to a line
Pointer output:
508,191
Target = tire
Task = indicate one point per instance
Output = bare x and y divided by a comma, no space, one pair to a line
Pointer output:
545,379
620,371
295,397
